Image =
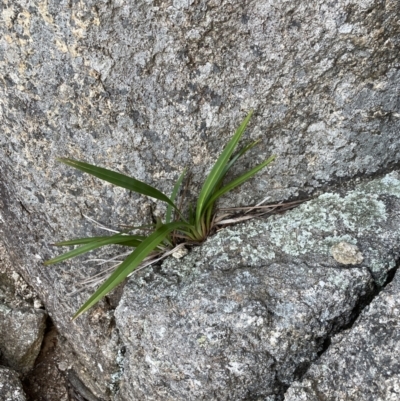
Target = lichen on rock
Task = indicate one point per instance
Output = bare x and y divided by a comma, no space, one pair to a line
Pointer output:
347,254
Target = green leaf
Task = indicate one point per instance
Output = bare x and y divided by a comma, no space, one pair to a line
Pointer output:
79,241
87,240
174,194
233,160
113,240
192,214
239,154
238,181
215,174
130,264
118,179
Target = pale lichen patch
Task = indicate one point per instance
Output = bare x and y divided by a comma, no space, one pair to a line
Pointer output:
61,45
347,254
388,185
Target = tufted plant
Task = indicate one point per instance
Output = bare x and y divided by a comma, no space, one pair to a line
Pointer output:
175,229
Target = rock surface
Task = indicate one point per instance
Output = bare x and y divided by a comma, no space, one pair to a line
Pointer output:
10,386
94,339
202,332
149,87
363,362
21,324
21,334
245,314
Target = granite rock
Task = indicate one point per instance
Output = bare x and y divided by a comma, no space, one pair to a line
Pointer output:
21,335
22,322
244,315
363,362
147,88
10,386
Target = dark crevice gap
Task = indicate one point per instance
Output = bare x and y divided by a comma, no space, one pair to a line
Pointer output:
362,303
46,382
325,345
45,373
390,275
346,184
77,389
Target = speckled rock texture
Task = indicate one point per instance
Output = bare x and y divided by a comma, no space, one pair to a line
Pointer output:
363,362
10,386
22,322
148,87
244,315
21,335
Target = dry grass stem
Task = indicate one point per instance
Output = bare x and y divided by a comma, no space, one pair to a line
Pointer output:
99,224
229,218
99,278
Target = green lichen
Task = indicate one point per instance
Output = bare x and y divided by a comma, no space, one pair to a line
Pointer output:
294,232
388,185
256,254
339,280
202,341
378,264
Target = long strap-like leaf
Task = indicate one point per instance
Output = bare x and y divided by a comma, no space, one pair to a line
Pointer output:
130,264
113,240
239,154
238,181
232,161
173,196
215,174
118,179
87,240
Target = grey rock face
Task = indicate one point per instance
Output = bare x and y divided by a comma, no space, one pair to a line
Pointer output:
21,334
10,386
149,87
94,338
245,314
241,333
362,363
21,325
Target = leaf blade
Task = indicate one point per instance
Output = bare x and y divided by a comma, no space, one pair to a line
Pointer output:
233,160
129,264
239,180
239,154
87,240
215,174
113,240
118,179
174,194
